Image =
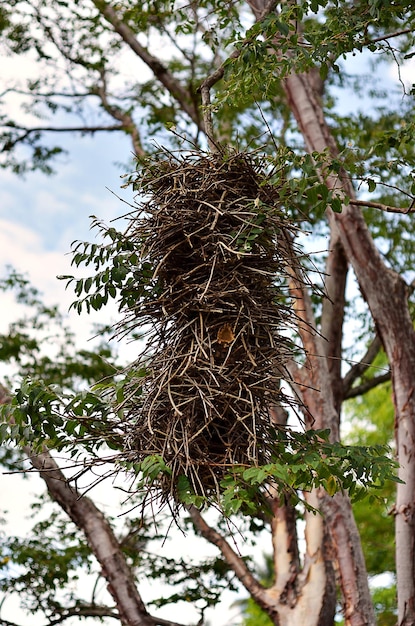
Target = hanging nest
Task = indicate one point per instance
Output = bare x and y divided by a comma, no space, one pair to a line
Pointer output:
214,249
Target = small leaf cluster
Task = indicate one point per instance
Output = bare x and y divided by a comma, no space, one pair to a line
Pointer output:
119,272
41,415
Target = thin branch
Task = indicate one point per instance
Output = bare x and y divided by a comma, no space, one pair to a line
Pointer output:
358,369
51,94
398,33
87,611
382,207
120,115
235,562
332,315
359,390
64,129
85,130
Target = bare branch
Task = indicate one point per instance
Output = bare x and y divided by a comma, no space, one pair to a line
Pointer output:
333,309
360,368
45,94
125,118
382,207
391,36
235,562
82,612
360,390
26,132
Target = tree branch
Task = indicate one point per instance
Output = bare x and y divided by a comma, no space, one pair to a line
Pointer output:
383,207
359,390
85,130
332,316
398,33
235,562
360,368
124,117
100,537
173,86
84,611
39,94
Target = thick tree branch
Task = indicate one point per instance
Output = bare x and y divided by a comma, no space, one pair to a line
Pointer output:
312,378
333,310
173,86
100,537
386,294
262,596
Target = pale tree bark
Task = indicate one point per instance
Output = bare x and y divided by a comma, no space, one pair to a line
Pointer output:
100,538
387,296
317,395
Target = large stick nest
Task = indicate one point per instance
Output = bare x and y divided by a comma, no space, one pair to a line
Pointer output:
215,248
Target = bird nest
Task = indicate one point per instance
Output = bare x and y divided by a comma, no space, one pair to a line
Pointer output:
214,249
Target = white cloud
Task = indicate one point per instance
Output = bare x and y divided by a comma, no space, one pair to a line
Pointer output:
22,248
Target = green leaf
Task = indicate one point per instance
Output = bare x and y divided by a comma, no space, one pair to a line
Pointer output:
371,185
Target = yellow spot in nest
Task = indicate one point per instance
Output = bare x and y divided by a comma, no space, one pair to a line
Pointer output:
225,335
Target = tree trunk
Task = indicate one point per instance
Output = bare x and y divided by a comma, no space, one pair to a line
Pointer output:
387,297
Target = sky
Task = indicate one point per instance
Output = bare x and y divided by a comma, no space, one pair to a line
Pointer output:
40,216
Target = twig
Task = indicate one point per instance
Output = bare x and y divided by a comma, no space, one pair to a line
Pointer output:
359,390
383,207
8,145
398,33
